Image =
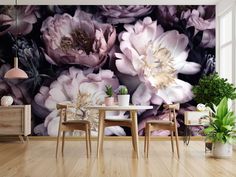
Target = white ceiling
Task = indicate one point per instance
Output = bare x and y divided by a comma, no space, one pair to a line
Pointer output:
113,2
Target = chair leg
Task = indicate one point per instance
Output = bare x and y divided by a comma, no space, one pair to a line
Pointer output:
63,142
90,146
172,144
58,141
145,140
103,134
87,140
177,142
148,138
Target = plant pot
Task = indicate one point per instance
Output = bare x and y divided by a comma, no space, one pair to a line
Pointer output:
123,100
221,150
109,101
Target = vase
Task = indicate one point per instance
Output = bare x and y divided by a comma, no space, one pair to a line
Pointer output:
6,101
123,100
109,101
222,150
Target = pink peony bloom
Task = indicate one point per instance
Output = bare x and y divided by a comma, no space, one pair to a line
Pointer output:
196,18
77,40
125,13
26,17
75,86
156,57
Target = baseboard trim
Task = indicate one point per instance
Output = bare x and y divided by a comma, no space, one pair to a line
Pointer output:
112,138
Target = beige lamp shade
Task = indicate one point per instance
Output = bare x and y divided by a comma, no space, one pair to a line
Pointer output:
16,73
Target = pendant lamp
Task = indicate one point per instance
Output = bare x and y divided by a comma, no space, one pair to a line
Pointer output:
16,73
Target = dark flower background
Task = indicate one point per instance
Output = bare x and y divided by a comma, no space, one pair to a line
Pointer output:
158,52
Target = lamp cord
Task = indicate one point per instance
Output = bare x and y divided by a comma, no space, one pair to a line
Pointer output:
16,16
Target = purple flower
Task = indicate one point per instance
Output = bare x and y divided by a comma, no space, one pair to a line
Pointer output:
167,14
26,17
124,13
82,89
202,22
77,40
156,57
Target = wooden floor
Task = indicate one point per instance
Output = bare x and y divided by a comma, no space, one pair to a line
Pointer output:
37,159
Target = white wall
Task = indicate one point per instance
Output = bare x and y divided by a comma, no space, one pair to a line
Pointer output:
225,51
223,9
7,2
223,5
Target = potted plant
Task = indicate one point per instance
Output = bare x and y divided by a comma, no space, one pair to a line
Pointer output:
123,96
222,130
109,100
211,89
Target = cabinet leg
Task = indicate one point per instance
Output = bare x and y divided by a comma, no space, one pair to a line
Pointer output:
27,139
21,138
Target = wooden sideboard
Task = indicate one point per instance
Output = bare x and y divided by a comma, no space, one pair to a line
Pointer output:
15,120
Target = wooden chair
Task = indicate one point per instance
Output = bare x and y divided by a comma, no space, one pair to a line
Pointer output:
163,125
71,125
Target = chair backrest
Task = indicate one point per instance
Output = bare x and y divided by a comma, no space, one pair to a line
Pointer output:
63,112
172,111
175,106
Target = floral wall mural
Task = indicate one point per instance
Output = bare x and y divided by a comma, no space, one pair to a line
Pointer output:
72,52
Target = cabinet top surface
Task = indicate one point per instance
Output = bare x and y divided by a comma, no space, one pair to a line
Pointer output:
13,106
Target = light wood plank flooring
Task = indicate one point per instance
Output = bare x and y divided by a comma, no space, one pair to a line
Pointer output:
37,159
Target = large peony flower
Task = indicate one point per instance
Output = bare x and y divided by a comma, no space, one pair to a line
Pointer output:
79,88
26,17
77,40
156,57
202,22
125,13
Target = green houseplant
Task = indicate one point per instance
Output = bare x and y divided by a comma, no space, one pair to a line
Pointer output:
123,96
222,129
211,89
109,100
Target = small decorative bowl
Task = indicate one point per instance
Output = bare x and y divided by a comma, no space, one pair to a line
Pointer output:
6,101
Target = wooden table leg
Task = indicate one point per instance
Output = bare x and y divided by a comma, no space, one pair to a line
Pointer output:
100,129
132,136
133,115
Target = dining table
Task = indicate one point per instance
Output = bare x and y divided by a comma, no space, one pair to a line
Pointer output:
133,111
